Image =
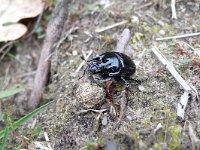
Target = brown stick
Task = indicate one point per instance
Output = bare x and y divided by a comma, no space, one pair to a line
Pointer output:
54,30
123,41
173,7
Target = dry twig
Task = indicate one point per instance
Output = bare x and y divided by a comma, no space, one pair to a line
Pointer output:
54,30
26,74
111,26
160,22
122,108
143,6
178,36
188,90
123,41
171,69
47,140
194,139
93,110
182,42
173,7
8,46
83,62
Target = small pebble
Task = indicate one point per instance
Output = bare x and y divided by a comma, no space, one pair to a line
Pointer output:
141,88
74,53
129,117
162,32
104,120
134,19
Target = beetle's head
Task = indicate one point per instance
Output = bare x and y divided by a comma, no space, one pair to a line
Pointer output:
94,67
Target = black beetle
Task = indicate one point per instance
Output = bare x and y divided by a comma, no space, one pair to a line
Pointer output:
111,65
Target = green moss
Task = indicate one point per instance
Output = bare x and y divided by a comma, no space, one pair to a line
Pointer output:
91,146
157,105
175,132
145,28
138,36
157,146
147,123
171,48
170,29
95,146
155,29
101,141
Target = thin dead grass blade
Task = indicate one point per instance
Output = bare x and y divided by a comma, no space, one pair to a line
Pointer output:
187,89
111,26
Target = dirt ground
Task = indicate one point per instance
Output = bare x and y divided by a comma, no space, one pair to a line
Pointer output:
150,119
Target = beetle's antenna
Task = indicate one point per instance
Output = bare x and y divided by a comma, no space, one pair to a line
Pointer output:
84,59
85,68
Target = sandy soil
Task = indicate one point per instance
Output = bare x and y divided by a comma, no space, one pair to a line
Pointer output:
149,105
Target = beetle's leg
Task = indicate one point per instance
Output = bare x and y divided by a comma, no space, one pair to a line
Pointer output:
126,82
135,80
107,88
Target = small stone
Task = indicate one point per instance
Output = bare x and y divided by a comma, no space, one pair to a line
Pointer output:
134,19
129,118
141,88
105,3
74,53
104,120
162,32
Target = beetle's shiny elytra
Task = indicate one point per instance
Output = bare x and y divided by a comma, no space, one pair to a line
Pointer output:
111,65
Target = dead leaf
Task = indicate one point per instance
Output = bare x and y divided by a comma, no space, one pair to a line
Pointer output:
11,11
12,32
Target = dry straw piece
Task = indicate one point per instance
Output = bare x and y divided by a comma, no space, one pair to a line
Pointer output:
187,89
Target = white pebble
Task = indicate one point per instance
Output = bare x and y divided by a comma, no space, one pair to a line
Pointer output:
141,88
134,19
104,120
162,32
129,117
74,53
